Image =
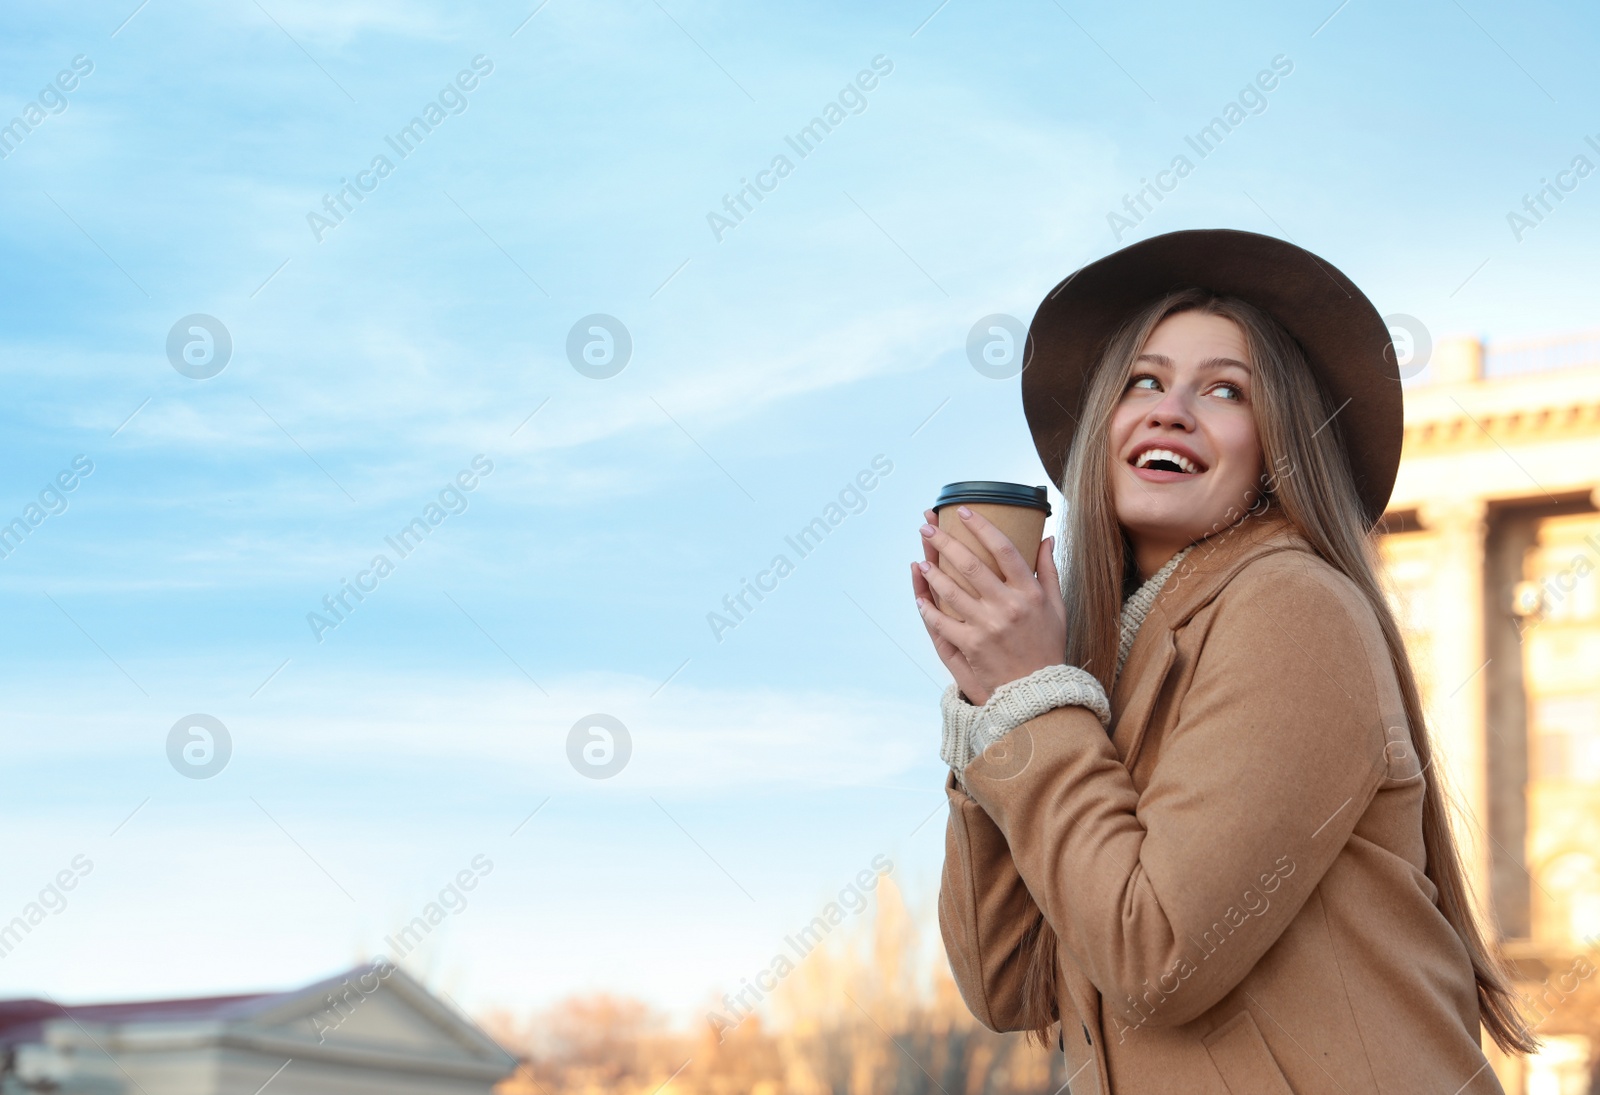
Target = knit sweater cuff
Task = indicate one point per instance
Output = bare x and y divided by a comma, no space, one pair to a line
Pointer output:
969,729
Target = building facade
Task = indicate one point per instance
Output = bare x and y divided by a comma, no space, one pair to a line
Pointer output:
371,1031
1492,544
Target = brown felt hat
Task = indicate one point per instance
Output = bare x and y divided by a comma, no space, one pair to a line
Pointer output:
1343,336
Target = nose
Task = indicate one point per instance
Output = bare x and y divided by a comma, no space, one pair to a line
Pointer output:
1171,410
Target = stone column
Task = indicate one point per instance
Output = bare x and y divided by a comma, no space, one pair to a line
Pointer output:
1458,360
1456,707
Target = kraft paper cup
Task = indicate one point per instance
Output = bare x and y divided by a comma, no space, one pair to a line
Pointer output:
1017,510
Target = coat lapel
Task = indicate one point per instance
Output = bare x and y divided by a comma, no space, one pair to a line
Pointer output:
1136,690
1201,575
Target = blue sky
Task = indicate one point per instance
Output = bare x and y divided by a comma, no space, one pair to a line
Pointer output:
769,367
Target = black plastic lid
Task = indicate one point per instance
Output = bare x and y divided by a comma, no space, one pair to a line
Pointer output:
1002,494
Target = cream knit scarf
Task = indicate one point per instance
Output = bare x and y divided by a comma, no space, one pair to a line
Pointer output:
1137,606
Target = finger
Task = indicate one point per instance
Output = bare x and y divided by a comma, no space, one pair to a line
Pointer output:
949,654
982,580
951,596
1045,565
944,648
1049,578
943,627
921,590
1013,566
929,552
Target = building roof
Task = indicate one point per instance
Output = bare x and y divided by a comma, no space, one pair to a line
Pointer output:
17,1014
22,1020
382,1028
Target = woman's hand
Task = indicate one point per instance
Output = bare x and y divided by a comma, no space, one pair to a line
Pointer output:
1015,624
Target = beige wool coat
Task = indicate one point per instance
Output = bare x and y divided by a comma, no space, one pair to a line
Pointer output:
1235,875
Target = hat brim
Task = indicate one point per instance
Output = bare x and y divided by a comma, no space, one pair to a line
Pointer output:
1344,338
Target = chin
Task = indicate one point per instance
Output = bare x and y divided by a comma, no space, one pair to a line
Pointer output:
1174,520
1177,526
1165,522
1171,529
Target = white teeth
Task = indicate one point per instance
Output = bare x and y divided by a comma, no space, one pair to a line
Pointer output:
1166,454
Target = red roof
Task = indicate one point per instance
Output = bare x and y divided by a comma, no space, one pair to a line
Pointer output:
21,1020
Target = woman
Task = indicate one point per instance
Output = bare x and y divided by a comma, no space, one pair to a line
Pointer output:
1209,841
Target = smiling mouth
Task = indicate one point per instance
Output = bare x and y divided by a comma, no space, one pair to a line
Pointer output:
1159,459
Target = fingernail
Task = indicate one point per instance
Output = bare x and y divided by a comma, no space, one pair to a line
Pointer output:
928,530
964,511
923,566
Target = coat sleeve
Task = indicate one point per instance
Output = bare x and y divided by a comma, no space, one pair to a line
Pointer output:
985,911
1166,900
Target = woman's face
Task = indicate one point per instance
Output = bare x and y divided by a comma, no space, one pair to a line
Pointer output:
1189,394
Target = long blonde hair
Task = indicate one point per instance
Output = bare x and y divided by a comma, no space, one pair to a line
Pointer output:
1096,564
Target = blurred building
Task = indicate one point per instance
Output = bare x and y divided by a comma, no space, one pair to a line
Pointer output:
1493,543
371,1031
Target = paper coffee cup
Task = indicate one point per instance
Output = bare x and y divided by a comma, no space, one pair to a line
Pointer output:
1017,510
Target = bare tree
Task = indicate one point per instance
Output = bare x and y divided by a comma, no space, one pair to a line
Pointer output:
871,1010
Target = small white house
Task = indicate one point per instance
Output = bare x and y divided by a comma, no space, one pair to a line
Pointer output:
370,1031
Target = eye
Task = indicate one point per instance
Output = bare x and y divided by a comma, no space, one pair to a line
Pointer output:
1238,392
1134,381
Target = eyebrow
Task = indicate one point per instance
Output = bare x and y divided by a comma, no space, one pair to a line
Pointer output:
1208,363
